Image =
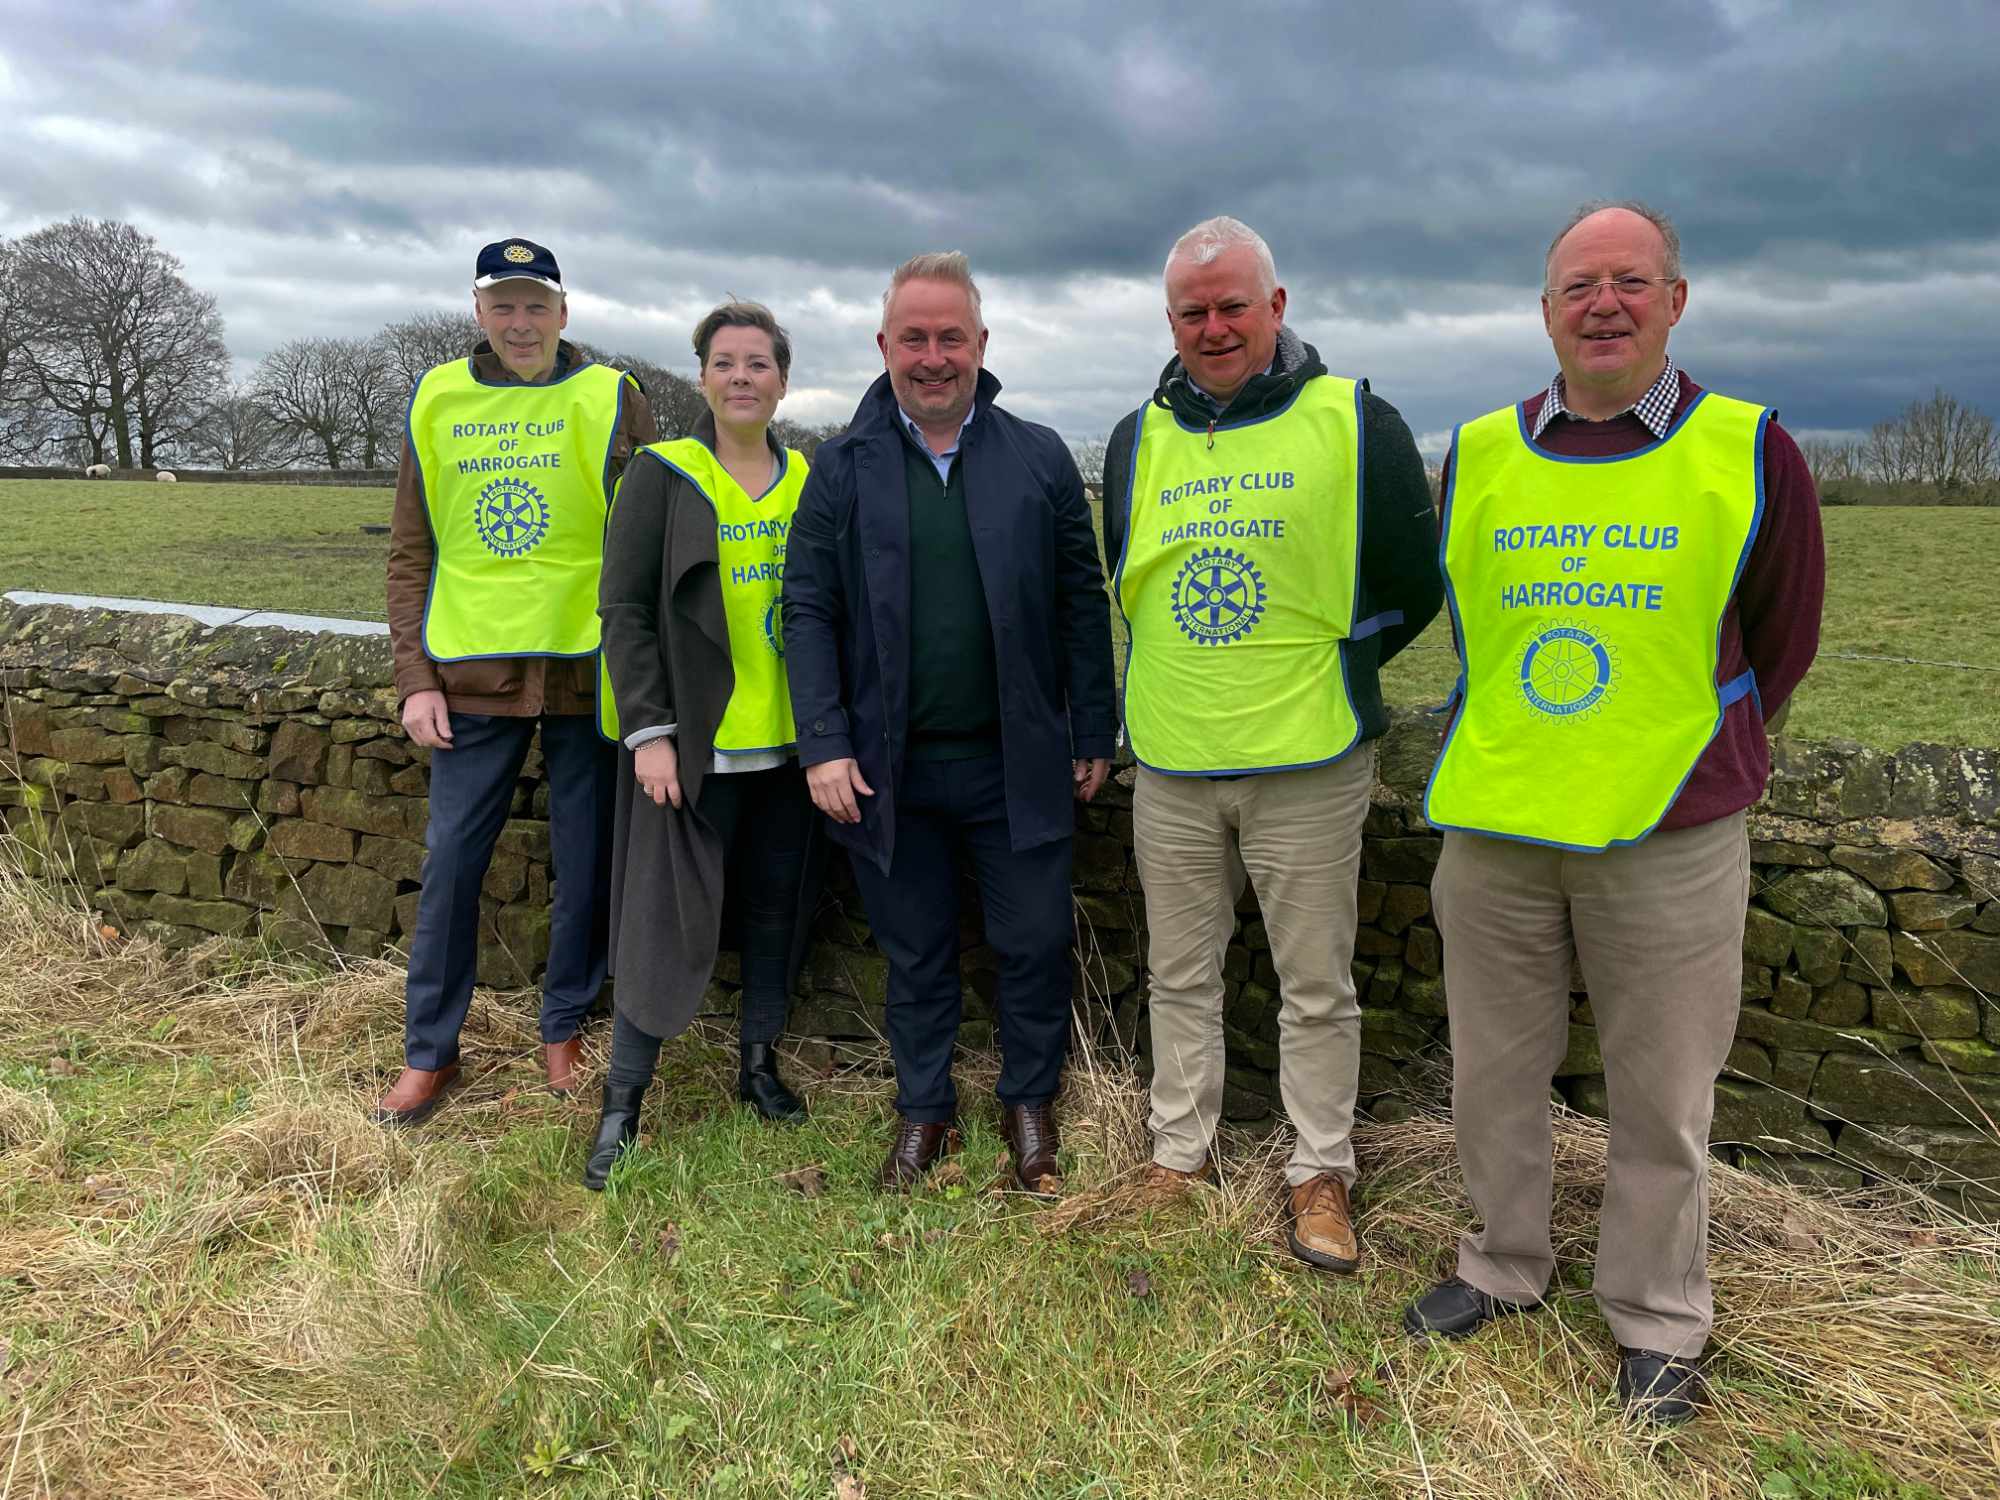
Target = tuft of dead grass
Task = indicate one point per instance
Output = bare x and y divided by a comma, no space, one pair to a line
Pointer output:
31,1129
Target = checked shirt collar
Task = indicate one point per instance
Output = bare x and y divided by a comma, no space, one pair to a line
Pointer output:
1655,408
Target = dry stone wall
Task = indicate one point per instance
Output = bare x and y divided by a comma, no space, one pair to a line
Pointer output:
255,784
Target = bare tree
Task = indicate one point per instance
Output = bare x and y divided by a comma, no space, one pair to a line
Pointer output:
122,354
1833,462
1938,441
806,438
676,401
1090,459
1952,445
424,340
239,432
304,386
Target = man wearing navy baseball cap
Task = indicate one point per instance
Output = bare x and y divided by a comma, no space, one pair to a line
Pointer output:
494,552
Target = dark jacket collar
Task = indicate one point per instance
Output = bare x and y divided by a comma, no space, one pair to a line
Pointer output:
1294,364
878,415
490,368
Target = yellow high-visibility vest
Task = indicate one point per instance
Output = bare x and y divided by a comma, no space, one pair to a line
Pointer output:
1238,584
516,479
1588,596
751,536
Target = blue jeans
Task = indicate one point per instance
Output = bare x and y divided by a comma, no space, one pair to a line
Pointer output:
472,791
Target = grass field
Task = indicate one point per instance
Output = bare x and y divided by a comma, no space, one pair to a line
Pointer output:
1905,581
258,546
218,1280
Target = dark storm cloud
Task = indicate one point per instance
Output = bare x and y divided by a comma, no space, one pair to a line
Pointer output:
1830,167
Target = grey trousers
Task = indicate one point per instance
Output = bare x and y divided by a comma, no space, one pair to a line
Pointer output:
1296,835
1658,930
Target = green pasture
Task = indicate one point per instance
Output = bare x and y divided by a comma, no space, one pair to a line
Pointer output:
1904,581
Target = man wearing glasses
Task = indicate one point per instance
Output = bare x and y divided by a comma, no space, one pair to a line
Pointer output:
1635,573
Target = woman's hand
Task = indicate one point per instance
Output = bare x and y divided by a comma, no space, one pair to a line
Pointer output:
658,766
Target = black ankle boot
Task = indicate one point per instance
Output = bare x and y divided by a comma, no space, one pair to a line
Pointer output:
617,1128
759,1086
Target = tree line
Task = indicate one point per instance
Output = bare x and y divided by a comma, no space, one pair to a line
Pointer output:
109,356
1936,448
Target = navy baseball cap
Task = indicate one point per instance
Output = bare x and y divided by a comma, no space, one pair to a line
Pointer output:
516,260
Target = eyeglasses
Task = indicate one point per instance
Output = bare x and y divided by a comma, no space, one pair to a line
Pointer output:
1626,288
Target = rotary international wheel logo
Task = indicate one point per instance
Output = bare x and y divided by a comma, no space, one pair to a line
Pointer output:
774,629
511,517
1217,596
520,255
1566,671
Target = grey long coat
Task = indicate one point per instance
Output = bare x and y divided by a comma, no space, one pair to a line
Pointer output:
666,645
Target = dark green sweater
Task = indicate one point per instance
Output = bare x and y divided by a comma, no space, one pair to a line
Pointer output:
954,685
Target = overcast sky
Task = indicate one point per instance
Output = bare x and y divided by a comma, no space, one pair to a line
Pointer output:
322,167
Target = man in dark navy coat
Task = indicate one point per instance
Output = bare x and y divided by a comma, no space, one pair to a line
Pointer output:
948,644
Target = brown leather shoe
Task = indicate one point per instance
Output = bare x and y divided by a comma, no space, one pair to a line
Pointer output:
914,1152
1321,1232
413,1096
1165,1184
559,1061
1032,1143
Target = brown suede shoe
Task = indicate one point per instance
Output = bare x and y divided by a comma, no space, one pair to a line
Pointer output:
914,1152
1032,1142
413,1096
559,1061
1166,1184
1321,1232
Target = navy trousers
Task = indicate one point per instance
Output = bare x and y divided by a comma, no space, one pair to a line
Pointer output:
472,791
948,811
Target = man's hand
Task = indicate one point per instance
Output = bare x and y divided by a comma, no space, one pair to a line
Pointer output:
833,785
658,766
1089,776
426,719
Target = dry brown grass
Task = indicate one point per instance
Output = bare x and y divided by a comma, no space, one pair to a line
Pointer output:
231,1322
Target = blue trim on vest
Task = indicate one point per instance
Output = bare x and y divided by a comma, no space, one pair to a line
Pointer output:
1457,625
1269,416
1745,683
1521,421
472,369
1367,628
1305,765
437,549
1340,648
1124,549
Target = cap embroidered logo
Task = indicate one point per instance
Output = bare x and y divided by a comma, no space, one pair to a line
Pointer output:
520,255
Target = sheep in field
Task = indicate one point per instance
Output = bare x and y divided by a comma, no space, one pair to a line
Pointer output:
98,471
166,476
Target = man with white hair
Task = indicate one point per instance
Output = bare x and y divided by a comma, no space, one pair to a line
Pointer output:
1636,574
949,655
1275,544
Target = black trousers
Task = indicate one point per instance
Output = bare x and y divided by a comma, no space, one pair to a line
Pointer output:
950,814
764,818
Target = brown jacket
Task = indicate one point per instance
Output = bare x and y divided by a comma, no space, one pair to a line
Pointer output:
512,685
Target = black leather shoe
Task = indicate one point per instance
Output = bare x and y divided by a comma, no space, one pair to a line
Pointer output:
617,1128
1453,1309
1657,1387
759,1086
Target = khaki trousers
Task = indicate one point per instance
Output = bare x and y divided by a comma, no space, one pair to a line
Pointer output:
1658,929
1297,837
